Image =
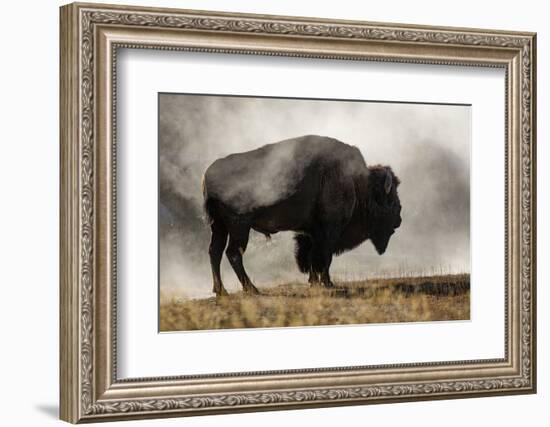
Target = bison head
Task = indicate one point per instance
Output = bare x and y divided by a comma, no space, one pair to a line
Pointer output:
383,206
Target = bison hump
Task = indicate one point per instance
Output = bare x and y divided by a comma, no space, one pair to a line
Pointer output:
272,173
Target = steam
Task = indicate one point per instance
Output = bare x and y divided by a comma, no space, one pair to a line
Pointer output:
427,146
256,180
270,173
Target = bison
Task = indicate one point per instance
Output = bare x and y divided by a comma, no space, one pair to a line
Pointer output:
318,187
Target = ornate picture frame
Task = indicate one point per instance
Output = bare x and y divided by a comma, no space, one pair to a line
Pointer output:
90,37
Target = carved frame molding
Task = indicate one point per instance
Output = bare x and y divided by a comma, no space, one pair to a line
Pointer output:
90,36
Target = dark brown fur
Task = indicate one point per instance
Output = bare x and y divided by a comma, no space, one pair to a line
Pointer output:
318,187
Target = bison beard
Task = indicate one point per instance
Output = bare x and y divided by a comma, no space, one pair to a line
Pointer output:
316,186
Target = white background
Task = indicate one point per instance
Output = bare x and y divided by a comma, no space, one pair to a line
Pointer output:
145,353
29,224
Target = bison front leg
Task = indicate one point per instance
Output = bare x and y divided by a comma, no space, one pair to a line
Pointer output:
313,277
323,250
304,257
321,260
325,275
235,250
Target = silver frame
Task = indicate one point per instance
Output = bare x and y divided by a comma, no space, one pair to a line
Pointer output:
90,37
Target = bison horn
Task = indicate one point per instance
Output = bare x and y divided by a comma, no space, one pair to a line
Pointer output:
388,181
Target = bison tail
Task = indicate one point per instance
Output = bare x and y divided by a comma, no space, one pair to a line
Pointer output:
304,245
208,205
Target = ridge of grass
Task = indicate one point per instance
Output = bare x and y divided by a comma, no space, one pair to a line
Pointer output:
385,300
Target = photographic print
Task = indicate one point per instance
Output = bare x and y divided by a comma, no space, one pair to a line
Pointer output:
278,212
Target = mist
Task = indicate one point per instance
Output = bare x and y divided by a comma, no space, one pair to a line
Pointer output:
427,146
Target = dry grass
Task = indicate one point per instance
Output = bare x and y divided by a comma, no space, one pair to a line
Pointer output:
388,300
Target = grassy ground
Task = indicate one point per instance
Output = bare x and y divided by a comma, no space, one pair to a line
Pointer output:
412,299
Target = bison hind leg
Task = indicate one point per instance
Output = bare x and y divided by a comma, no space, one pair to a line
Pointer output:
217,245
238,240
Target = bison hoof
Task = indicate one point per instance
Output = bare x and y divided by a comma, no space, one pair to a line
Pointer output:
251,290
328,285
221,292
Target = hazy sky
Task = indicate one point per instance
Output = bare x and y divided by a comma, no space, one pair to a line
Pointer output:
428,147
